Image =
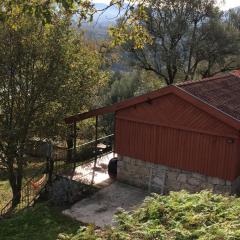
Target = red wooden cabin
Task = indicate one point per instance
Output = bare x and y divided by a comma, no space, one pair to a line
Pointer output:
193,127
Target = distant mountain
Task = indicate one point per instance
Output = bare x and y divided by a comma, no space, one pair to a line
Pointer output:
107,17
102,20
237,8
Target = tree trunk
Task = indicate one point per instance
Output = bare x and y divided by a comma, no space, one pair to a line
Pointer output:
16,196
15,176
192,46
15,180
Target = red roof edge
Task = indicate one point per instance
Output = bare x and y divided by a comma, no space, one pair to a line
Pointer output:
222,116
216,77
117,106
236,73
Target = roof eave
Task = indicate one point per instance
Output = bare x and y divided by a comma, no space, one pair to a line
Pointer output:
118,106
201,104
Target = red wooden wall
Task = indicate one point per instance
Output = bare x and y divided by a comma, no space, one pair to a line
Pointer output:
173,132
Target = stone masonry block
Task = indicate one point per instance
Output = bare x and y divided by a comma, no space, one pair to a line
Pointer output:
199,176
216,181
158,181
228,183
206,186
194,181
160,167
190,188
222,189
182,178
172,175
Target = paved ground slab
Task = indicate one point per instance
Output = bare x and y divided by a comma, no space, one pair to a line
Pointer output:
86,173
100,207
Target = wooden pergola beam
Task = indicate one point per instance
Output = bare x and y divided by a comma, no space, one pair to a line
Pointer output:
96,147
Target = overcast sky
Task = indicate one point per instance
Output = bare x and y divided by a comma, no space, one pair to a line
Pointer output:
228,3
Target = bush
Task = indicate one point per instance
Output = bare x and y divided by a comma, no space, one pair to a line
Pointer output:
180,216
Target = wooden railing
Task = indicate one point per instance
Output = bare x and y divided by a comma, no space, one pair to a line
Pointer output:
61,162
67,159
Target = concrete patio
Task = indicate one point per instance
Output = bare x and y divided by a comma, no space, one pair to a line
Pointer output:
100,207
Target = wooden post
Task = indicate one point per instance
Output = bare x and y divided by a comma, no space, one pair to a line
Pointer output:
70,143
74,143
95,149
50,162
114,134
96,136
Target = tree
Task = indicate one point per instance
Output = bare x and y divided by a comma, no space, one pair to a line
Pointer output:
124,85
30,65
177,37
219,52
233,18
45,10
42,66
79,90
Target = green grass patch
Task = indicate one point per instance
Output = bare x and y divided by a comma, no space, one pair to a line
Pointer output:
38,223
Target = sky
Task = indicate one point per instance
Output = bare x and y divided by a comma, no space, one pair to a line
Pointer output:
228,3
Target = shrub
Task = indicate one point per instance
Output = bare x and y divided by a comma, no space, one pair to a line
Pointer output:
180,216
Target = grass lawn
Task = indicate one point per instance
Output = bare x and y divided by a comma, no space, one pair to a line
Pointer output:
5,193
5,190
38,223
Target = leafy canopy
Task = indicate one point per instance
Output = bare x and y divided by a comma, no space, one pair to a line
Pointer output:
45,10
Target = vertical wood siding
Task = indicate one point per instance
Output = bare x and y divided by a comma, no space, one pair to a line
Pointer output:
206,154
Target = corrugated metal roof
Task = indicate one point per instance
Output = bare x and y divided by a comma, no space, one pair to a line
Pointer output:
221,92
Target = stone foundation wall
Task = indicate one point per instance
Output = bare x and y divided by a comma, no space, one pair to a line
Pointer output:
162,179
64,191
